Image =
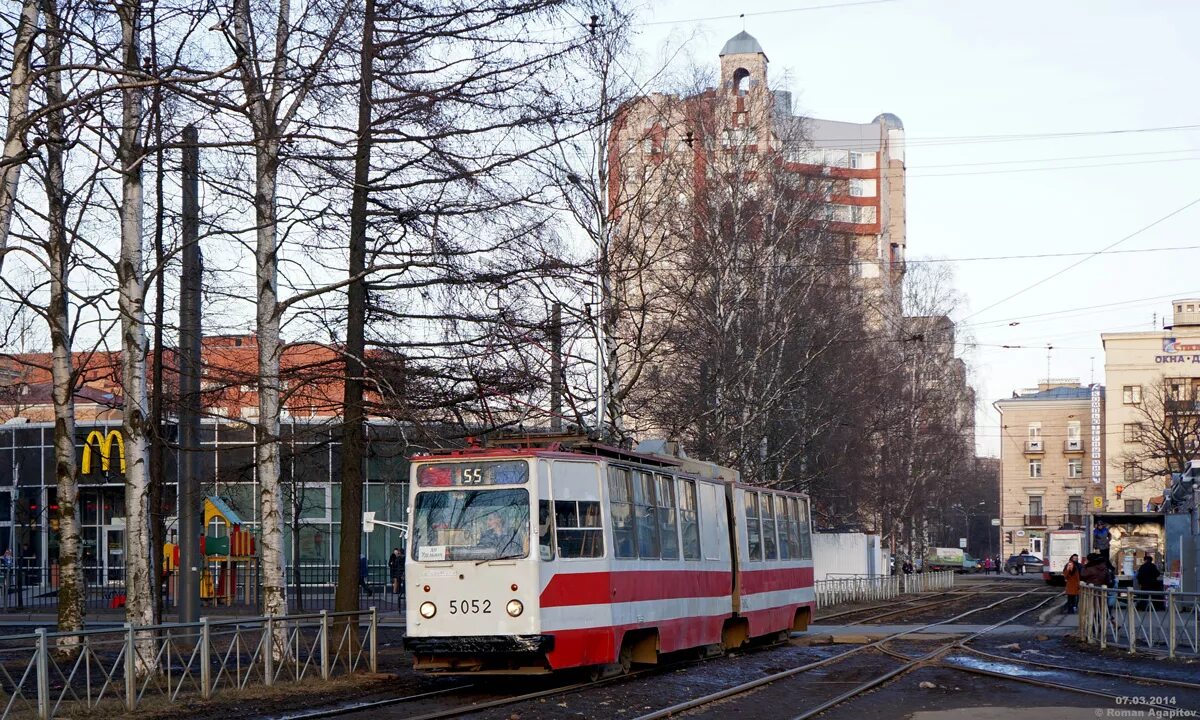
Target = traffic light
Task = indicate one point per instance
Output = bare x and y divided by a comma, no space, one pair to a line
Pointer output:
1008,537
1120,489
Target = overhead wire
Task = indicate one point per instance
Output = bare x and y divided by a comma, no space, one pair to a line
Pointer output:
1079,262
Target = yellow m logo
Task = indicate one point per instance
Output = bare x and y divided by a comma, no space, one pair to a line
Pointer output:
104,444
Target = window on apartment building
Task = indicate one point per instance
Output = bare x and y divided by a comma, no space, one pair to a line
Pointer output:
1075,468
862,160
1133,432
1035,468
1133,506
1075,507
738,137
862,187
863,214
1131,395
1035,431
1178,389
1073,433
1035,505
1130,473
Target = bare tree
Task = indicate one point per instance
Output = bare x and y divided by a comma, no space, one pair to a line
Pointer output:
139,602
58,251
274,87
1166,434
20,83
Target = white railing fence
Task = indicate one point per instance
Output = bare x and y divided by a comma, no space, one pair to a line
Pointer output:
124,669
835,591
1157,622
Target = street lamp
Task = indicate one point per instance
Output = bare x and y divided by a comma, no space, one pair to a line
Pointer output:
969,512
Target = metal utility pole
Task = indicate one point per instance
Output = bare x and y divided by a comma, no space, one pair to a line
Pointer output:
190,297
556,382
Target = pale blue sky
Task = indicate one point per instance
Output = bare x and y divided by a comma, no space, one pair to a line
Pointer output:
954,71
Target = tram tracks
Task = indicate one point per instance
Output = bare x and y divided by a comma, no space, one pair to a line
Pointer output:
878,645
940,657
465,706
957,595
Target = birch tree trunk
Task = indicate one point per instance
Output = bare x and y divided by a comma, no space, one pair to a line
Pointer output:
270,349
18,108
139,605
70,588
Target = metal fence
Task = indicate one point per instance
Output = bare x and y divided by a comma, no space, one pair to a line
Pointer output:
834,591
1149,621
308,588
108,670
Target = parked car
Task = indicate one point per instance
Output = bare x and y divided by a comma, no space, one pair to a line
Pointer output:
1023,563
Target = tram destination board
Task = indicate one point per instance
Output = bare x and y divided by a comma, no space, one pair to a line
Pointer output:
449,474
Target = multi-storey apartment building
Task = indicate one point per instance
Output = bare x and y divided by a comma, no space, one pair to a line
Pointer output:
671,143
1052,453
1155,379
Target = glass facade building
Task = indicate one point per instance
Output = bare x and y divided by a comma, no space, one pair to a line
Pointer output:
311,464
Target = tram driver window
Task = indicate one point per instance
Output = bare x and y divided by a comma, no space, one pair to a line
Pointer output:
579,531
620,507
753,536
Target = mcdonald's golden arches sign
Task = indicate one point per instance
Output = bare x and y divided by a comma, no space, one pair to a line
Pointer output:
104,443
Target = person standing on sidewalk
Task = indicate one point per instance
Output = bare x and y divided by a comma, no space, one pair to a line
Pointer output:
396,569
1071,575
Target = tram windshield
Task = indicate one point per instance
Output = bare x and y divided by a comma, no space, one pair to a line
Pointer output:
476,525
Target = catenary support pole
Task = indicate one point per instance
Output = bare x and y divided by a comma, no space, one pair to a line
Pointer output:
190,505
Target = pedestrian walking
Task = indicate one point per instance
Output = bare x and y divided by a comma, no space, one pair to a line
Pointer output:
396,570
362,575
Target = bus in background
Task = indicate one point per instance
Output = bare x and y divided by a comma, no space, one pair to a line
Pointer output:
1060,546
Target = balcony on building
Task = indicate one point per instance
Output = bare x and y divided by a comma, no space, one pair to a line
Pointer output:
1035,446
1073,445
1178,407
1035,521
1071,519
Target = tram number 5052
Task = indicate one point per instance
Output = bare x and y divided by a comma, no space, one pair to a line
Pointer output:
470,607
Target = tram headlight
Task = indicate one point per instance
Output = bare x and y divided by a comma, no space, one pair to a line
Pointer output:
428,610
514,607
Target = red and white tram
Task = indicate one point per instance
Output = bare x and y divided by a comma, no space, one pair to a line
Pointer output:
537,559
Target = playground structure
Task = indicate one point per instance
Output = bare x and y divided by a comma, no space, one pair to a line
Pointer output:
230,572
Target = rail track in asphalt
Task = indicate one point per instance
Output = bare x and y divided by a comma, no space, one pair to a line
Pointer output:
861,660
477,706
941,656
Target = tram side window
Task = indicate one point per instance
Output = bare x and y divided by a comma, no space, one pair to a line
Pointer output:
579,532
783,516
545,531
620,507
766,501
647,515
753,537
689,520
794,524
805,538
668,527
